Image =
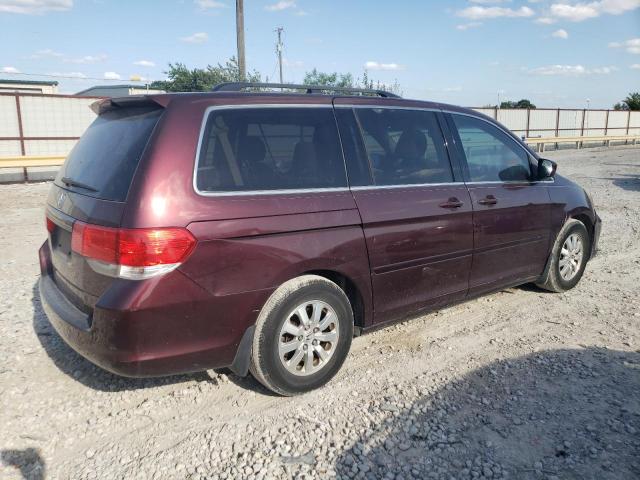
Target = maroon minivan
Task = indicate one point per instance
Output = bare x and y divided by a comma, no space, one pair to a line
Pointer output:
260,231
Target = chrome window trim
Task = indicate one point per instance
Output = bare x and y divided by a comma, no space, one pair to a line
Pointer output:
245,193
411,185
387,107
511,182
294,191
445,184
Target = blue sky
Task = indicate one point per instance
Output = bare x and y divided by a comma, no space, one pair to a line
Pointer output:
554,52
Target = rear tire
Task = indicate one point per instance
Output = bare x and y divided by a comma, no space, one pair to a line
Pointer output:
568,258
303,335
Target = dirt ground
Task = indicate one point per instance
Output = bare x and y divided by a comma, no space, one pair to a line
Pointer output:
518,384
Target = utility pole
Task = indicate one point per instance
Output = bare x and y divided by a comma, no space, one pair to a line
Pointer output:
242,67
279,30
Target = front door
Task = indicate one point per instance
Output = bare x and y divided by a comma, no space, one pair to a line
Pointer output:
511,210
416,216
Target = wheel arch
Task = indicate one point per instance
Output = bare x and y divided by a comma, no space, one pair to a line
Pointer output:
352,291
588,223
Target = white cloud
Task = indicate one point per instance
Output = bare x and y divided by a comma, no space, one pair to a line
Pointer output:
635,66
560,33
209,4
292,63
546,20
281,5
111,76
87,59
371,65
467,26
47,52
34,7
199,37
68,74
575,13
481,13
631,46
570,70
10,70
145,63
489,2
578,12
616,7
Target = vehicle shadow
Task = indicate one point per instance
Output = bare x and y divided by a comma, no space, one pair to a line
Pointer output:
246,383
625,181
551,414
83,371
28,461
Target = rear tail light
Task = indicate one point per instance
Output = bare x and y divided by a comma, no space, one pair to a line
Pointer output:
136,253
50,225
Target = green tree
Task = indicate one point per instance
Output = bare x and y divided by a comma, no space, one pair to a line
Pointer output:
346,80
335,79
632,102
182,79
524,103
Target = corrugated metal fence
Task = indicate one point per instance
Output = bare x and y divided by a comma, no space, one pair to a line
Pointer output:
35,124
559,122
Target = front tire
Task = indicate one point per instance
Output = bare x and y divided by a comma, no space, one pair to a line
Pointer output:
568,258
303,335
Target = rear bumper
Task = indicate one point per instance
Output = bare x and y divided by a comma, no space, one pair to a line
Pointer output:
162,326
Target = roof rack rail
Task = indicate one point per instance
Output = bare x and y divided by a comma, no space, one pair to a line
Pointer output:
239,86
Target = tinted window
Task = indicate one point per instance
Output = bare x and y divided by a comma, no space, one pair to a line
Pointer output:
358,168
492,155
405,147
107,155
270,149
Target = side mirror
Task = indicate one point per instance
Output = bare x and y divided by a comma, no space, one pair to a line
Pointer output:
546,168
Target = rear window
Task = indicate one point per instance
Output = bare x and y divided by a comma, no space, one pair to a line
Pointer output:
256,149
105,158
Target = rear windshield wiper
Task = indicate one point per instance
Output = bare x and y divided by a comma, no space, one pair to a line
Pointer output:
74,183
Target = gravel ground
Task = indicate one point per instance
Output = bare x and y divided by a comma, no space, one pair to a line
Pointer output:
518,384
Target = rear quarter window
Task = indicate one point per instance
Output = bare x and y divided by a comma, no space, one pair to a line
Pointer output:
262,149
106,157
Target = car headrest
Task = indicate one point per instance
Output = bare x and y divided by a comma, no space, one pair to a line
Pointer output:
252,150
412,144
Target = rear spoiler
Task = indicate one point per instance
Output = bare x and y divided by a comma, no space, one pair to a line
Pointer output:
133,101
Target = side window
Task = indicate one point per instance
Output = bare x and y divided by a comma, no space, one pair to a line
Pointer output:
492,156
270,149
358,168
405,147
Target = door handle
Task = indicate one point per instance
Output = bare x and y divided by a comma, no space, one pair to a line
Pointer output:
453,202
488,200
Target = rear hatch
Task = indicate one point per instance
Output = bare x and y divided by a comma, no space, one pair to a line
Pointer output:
92,188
